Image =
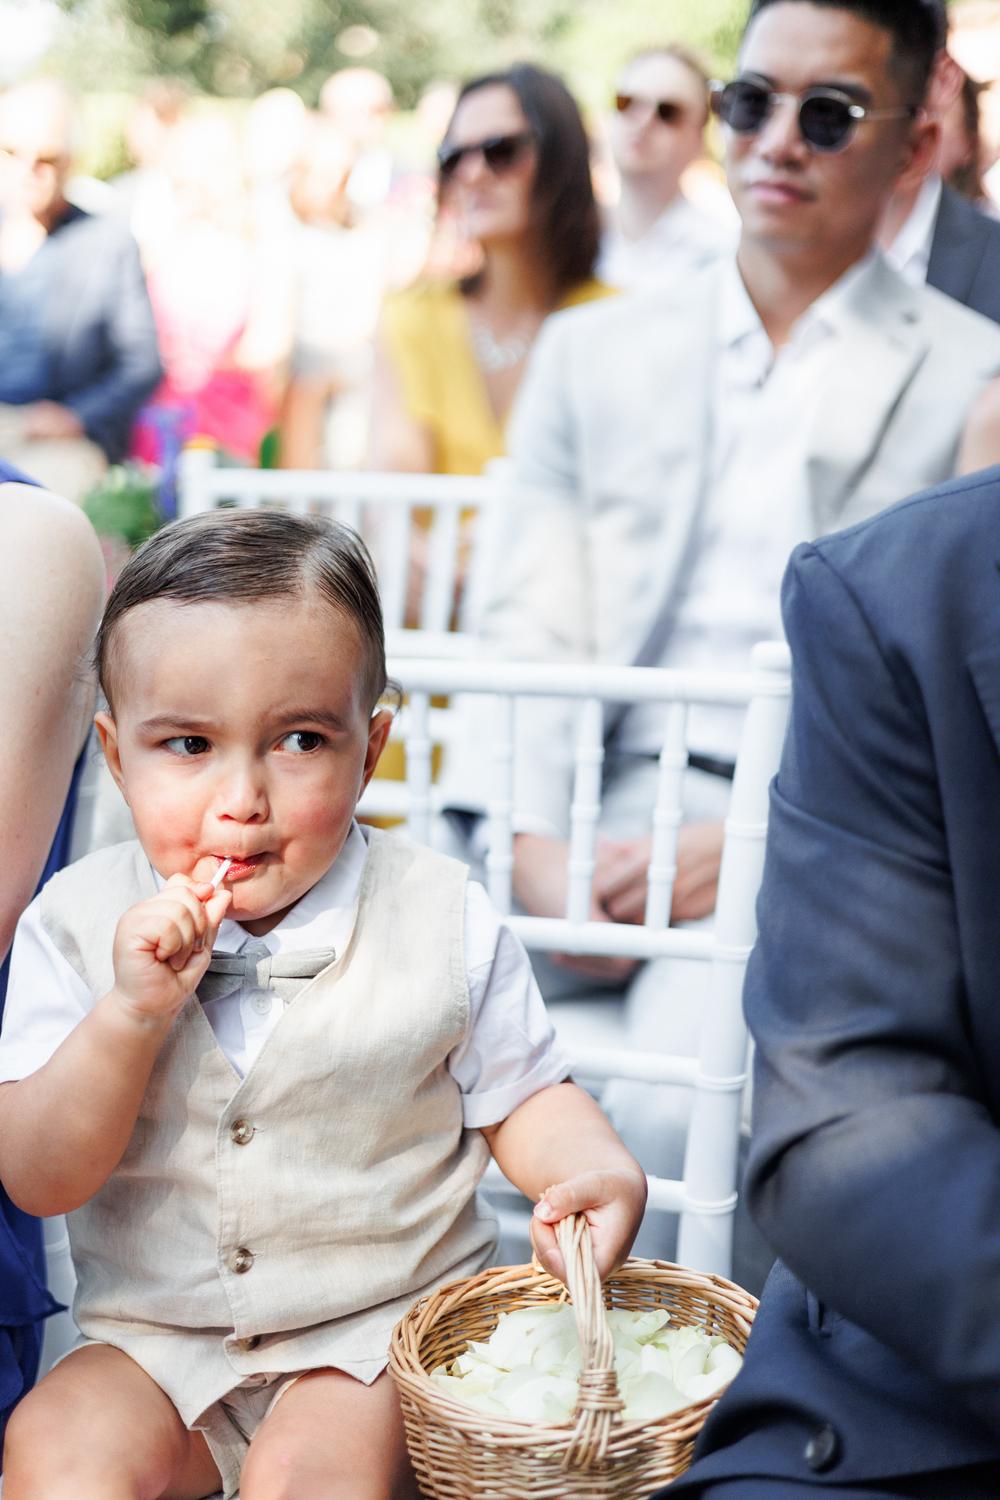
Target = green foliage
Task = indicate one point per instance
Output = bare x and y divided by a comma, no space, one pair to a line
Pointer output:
124,505
238,48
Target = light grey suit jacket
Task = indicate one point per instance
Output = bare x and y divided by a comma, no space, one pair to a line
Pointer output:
610,449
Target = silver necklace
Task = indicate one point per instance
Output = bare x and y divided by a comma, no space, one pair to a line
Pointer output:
495,354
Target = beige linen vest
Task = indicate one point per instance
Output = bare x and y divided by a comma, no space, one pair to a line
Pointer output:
286,1220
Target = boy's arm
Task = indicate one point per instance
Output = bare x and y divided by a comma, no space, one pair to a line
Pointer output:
559,1146
64,1127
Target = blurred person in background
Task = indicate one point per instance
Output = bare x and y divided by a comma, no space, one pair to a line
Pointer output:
143,195
274,136
930,232
339,270
962,150
974,43
514,168
656,133
360,104
221,293
78,349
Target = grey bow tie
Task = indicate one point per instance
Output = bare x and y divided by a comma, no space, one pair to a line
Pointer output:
255,968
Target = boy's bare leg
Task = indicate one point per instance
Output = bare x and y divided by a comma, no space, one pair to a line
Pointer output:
98,1428
331,1438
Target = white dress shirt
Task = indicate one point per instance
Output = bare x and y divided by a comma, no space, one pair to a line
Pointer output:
910,251
509,1053
766,405
676,243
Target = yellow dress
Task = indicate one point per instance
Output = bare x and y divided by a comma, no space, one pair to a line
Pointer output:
427,332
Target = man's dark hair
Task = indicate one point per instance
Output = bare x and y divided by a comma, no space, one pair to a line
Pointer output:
239,557
565,217
919,29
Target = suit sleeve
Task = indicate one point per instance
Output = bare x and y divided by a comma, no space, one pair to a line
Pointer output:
875,1165
108,406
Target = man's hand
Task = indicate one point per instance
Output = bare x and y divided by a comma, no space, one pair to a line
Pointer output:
162,947
539,883
622,869
699,858
613,1202
48,419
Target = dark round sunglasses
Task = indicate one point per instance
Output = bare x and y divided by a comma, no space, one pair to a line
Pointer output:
828,118
665,110
499,152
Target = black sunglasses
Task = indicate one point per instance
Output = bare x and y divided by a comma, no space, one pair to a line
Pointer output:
499,152
665,110
828,118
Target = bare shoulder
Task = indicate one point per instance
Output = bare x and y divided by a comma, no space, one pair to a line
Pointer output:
41,530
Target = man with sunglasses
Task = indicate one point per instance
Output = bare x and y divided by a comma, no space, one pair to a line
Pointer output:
656,133
671,447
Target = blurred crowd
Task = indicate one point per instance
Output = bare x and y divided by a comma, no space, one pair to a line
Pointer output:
307,294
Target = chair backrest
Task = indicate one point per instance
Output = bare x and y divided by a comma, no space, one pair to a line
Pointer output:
705,1197
448,520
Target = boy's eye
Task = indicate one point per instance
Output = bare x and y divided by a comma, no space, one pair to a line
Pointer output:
188,744
301,741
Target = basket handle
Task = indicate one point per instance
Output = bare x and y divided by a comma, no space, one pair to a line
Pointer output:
599,1402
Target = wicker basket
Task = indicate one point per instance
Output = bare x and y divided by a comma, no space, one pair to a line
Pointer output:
460,1453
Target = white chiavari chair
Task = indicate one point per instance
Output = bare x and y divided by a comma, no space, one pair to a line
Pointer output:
705,1196
453,519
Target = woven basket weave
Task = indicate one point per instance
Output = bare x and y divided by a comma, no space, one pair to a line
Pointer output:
460,1453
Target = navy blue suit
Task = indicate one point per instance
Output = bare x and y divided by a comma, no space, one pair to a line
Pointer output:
874,998
82,303
965,255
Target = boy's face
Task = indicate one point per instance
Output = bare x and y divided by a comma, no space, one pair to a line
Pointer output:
242,731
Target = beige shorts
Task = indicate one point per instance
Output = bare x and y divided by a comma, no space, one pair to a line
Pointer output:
230,1423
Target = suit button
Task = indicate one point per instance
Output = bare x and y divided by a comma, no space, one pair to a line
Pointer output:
241,1132
822,1449
241,1260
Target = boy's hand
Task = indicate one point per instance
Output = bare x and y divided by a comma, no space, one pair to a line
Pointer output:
163,946
612,1202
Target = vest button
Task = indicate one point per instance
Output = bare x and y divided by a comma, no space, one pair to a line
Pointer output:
251,1342
823,1449
241,1260
241,1131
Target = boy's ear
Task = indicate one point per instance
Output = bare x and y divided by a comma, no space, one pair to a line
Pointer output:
107,732
378,733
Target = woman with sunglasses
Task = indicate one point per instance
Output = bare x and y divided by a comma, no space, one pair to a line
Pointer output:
514,171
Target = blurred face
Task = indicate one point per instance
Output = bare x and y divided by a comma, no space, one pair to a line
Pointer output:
243,732
489,184
34,153
792,198
644,144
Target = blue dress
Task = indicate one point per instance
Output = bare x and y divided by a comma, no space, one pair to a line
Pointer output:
24,1301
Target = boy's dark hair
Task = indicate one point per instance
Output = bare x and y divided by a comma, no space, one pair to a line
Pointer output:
239,556
565,216
919,29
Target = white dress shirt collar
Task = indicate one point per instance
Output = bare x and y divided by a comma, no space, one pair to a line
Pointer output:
910,251
741,331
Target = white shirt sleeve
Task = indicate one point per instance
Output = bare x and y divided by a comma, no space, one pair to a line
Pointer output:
46,999
510,1052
